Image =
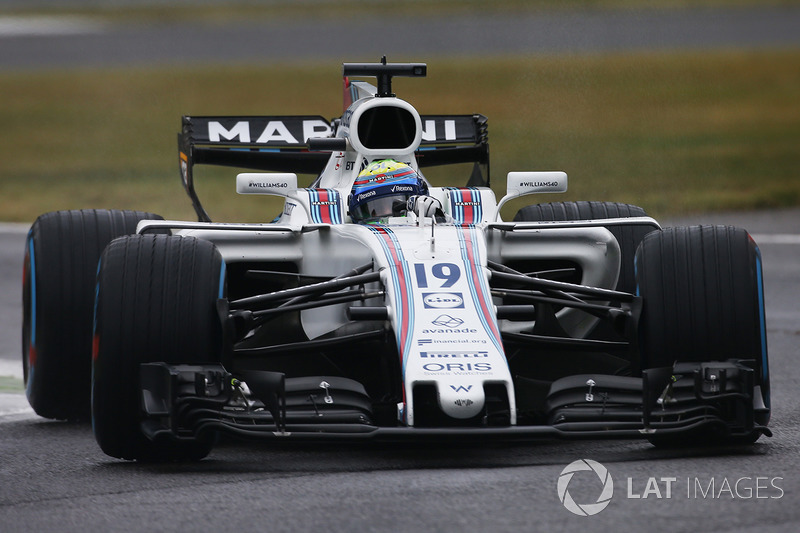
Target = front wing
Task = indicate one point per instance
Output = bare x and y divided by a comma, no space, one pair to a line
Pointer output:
186,401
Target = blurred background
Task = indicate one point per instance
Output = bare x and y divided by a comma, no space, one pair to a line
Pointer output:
677,106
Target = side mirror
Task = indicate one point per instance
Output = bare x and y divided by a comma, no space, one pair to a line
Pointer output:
525,183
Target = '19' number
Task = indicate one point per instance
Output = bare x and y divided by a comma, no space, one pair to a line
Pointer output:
448,273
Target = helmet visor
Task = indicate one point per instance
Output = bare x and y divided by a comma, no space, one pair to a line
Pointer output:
393,205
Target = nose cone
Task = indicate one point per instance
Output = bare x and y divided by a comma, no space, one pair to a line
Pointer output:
461,400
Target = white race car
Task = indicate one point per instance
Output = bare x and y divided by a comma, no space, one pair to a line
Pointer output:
378,306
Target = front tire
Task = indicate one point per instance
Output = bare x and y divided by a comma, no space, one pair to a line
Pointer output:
156,302
703,300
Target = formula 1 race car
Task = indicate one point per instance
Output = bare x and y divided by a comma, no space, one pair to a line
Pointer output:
378,306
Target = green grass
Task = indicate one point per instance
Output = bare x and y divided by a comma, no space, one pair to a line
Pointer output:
673,132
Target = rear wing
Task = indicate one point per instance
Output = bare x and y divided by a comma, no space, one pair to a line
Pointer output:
279,144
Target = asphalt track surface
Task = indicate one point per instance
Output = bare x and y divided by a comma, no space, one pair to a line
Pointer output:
84,42
53,477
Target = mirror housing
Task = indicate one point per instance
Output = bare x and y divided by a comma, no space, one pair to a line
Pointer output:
524,183
275,184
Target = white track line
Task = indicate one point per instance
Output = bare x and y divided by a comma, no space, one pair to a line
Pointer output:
20,26
11,368
777,238
14,227
14,407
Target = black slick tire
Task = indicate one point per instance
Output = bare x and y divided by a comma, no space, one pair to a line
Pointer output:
703,300
156,302
59,270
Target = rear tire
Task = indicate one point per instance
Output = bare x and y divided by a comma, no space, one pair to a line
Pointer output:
703,300
156,302
558,211
58,282
627,236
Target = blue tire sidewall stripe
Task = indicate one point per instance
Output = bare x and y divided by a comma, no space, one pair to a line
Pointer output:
762,328
222,272
32,340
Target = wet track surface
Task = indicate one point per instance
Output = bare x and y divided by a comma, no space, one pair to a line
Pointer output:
55,478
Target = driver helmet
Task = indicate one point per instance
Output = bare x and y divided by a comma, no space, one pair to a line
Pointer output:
382,190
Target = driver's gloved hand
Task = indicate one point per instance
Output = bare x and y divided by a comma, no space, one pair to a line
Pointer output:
424,206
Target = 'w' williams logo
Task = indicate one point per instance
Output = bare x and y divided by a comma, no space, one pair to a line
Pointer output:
461,388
